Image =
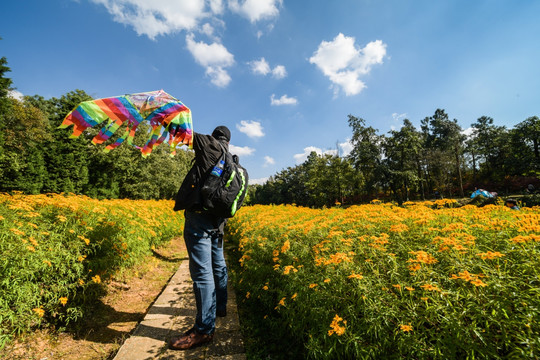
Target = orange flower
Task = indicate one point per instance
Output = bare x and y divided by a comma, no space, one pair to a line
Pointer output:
430,287
335,328
406,328
286,246
63,300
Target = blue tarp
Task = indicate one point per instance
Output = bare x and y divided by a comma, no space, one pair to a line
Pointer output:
482,192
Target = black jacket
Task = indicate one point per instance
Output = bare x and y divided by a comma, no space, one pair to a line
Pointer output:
207,153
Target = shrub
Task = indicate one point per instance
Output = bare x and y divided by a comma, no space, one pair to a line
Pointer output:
57,249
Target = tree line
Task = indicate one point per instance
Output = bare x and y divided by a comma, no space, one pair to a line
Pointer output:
437,160
37,157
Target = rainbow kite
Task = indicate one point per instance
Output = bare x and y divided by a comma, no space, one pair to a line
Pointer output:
167,116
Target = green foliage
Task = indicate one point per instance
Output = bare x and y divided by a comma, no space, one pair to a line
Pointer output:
320,181
57,249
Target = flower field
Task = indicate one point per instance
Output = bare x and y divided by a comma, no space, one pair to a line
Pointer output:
423,281
57,249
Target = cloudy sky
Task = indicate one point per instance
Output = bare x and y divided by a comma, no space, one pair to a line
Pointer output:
283,75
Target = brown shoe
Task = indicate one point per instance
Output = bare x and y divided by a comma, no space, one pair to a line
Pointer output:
189,340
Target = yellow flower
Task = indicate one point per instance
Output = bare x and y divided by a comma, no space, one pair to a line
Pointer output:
31,248
61,218
409,288
311,286
355,276
17,231
47,262
335,328
288,269
247,295
96,279
294,296
397,286
39,311
406,328
265,287
286,246
430,287
81,282
326,280
63,300
490,255
478,282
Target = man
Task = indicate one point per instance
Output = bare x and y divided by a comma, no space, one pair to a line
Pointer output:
203,234
512,204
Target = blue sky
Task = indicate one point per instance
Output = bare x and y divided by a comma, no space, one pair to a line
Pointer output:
284,75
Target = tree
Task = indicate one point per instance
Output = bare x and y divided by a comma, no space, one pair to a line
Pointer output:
402,161
66,159
24,129
445,142
366,152
529,131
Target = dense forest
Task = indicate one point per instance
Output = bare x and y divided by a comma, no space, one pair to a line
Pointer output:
437,160
38,157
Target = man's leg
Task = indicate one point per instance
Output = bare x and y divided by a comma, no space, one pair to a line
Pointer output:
199,246
219,268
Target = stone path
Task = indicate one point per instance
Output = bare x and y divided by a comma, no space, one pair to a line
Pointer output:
174,313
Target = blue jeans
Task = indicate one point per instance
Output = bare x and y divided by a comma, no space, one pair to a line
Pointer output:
203,235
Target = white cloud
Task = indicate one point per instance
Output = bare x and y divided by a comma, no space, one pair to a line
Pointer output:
253,129
283,100
216,6
469,132
346,147
214,57
343,63
241,150
398,117
259,181
15,94
255,10
300,158
269,161
279,72
160,17
259,67
218,76
208,30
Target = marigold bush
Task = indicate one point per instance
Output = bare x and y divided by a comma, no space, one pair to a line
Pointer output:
424,281
57,249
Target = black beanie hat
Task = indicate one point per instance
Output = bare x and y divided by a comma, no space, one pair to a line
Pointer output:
222,132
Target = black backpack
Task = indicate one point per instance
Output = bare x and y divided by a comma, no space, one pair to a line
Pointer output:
223,195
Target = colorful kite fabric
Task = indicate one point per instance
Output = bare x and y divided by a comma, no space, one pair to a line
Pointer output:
167,116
